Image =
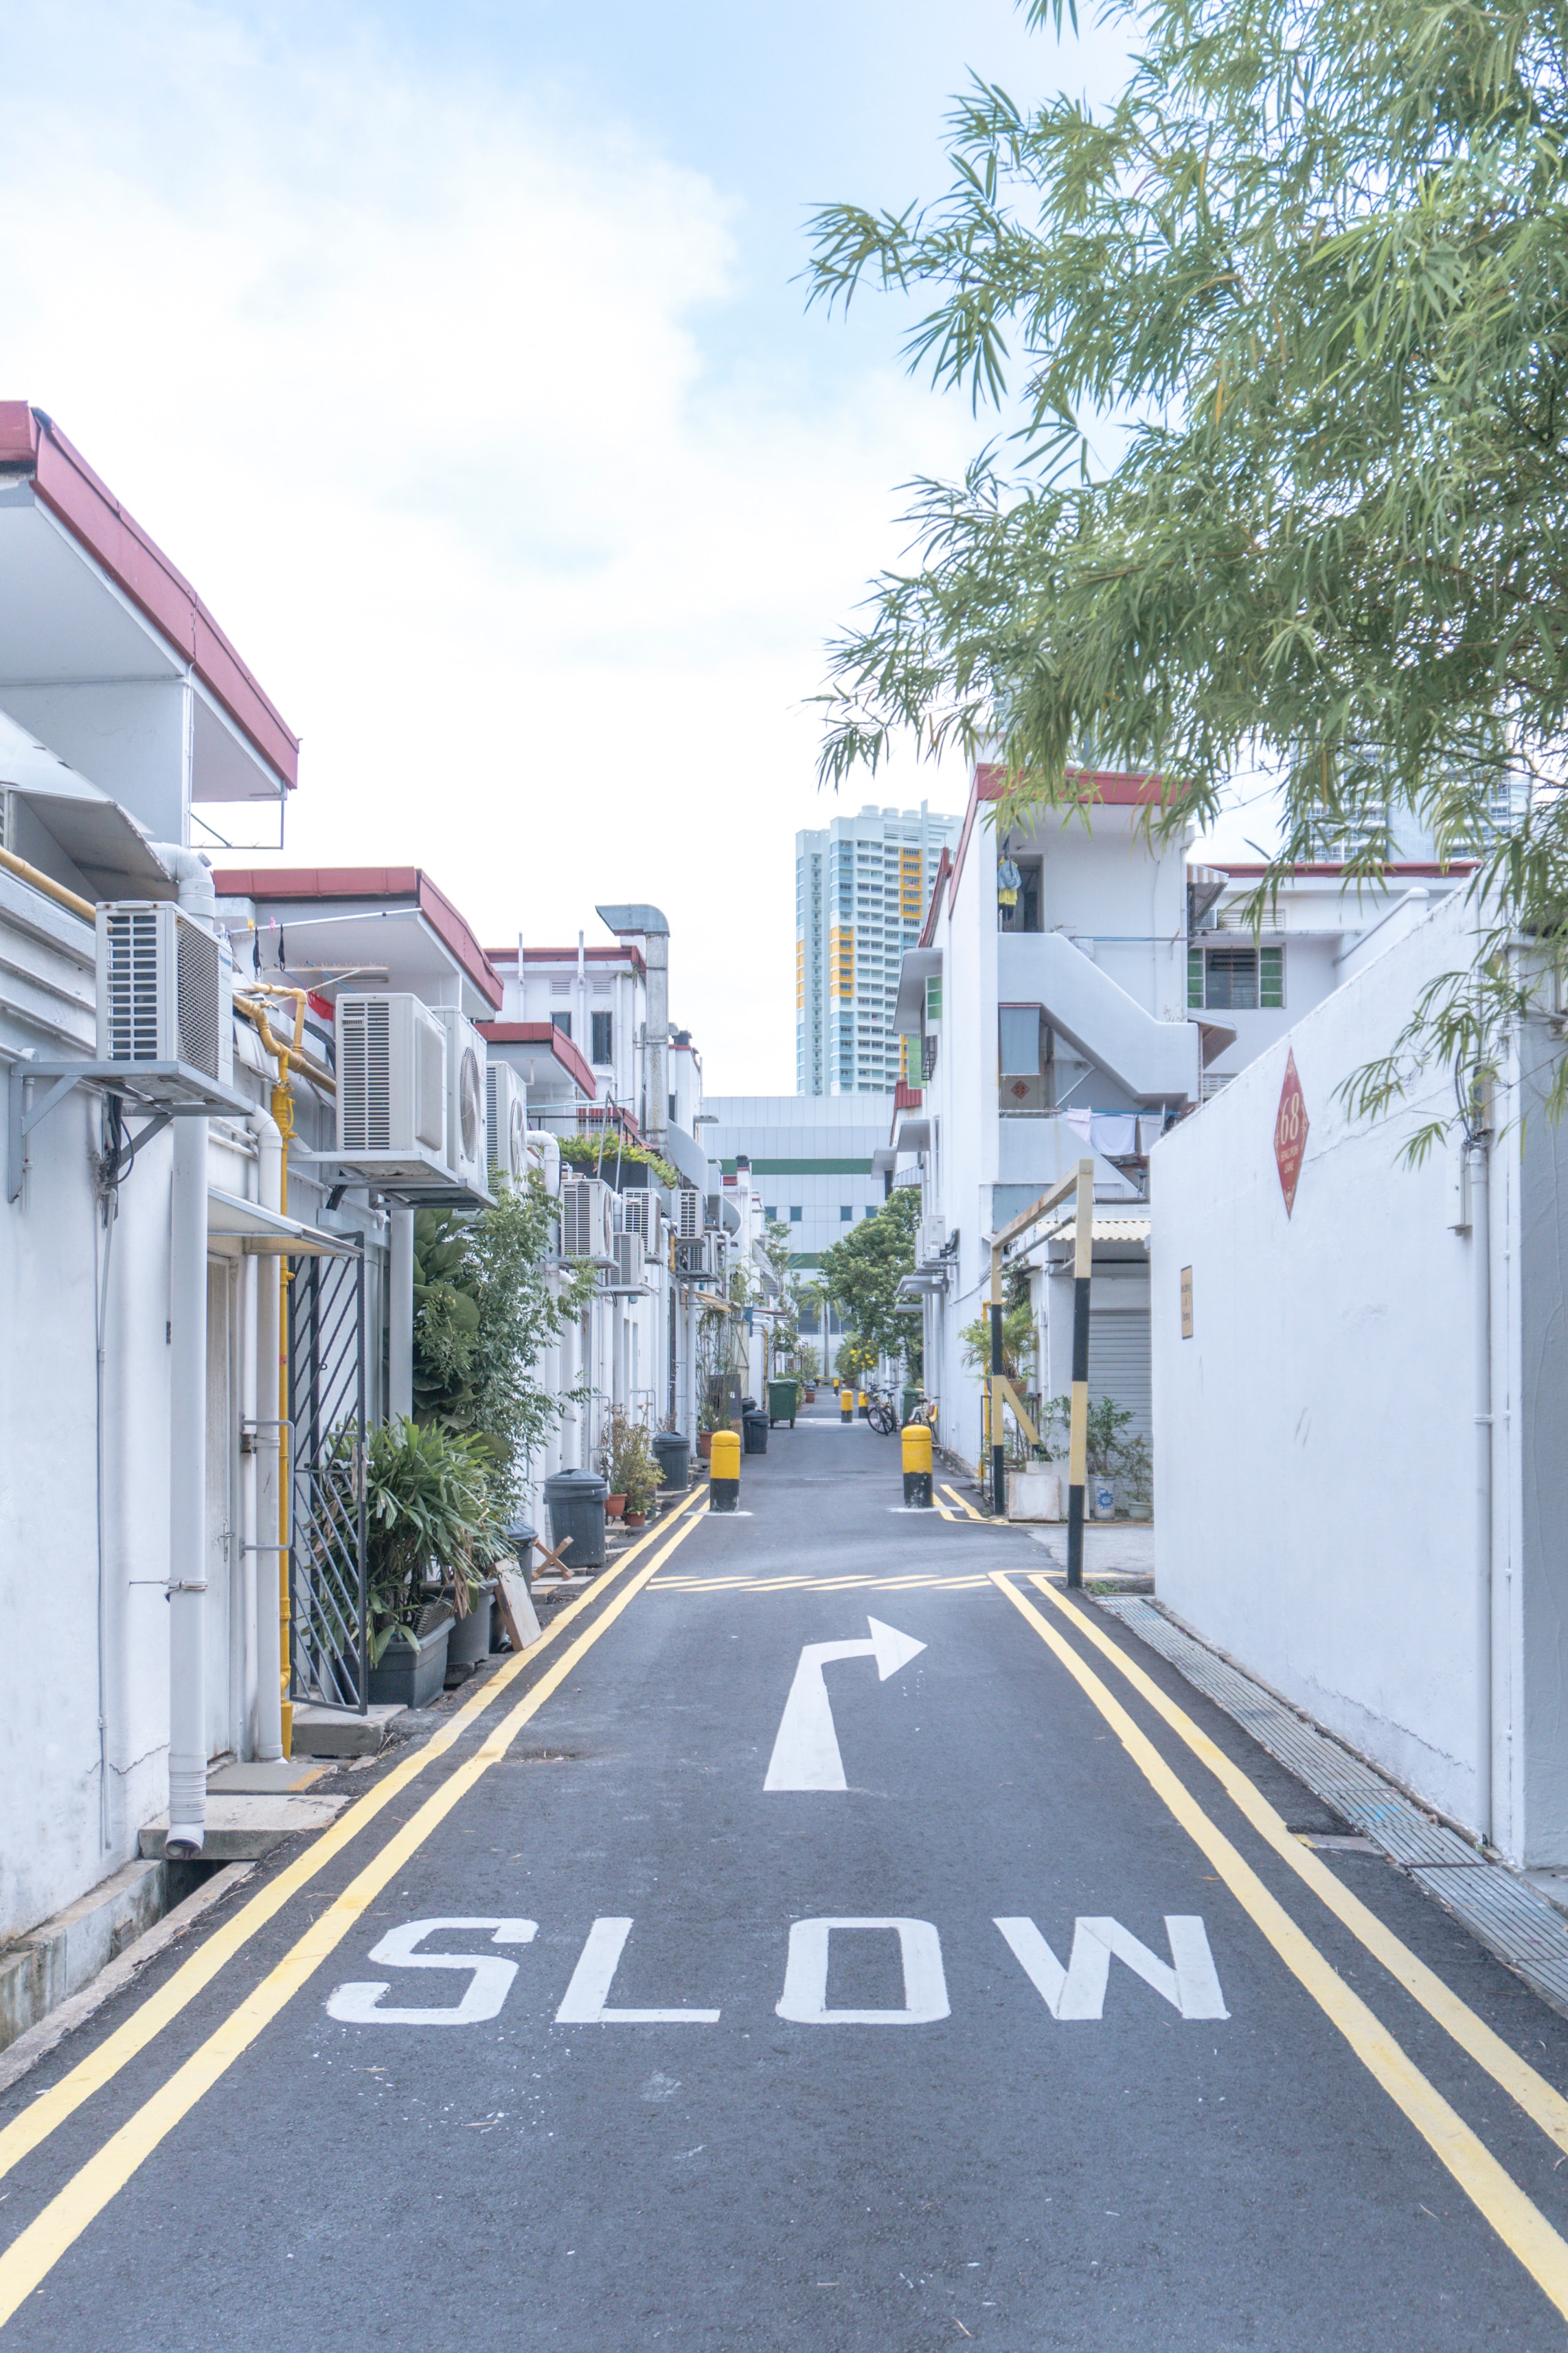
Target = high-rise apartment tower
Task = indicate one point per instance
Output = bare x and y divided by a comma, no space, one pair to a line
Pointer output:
862,885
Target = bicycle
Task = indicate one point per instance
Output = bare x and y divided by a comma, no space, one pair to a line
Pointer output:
882,1415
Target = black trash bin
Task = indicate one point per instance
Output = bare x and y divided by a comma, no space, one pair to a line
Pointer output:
576,1502
756,1429
673,1454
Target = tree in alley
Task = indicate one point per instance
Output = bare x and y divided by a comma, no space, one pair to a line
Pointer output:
1304,282
861,1275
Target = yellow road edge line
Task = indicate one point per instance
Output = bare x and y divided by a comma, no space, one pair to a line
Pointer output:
1518,2222
35,2252
954,1497
1542,2104
50,2110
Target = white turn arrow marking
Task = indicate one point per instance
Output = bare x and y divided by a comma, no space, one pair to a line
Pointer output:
805,1753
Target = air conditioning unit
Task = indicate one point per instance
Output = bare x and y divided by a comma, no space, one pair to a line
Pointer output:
930,1240
638,1213
466,1059
584,1218
392,1086
627,1252
505,1123
688,1212
691,1254
165,989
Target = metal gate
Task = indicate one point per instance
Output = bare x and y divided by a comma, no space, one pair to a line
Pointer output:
329,1660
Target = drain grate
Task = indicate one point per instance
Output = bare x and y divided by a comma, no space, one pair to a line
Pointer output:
1506,1914
1356,1793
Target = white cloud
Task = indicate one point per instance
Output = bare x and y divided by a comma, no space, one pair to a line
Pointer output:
409,379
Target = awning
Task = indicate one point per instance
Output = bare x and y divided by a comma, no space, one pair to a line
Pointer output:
1104,1229
241,1229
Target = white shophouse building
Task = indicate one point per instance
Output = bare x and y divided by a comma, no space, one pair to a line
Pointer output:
1120,988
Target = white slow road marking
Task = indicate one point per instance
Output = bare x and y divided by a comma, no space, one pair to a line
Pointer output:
805,1998
805,1753
1192,1986
587,1995
490,1979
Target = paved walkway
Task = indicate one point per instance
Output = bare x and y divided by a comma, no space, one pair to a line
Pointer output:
823,1940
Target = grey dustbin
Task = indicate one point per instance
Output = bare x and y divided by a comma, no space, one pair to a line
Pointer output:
756,1427
576,1502
673,1454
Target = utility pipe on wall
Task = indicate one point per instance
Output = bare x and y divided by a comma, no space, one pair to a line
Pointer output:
1478,1156
270,1406
187,1489
400,1316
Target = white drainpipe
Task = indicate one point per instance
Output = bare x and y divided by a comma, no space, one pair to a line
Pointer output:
400,1316
188,1439
265,1535
188,1489
1480,1248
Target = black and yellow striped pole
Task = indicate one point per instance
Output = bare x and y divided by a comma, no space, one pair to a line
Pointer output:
1077,1424
998,1429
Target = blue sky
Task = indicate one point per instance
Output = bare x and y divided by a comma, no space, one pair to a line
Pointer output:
460,356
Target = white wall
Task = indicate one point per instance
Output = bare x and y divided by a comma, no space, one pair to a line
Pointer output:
51,1850
1315,1438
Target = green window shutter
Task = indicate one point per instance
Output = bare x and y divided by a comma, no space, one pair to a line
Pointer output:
1195,977
1271,977
933,1001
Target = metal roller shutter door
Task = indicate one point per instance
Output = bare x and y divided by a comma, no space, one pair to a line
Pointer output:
1119,1363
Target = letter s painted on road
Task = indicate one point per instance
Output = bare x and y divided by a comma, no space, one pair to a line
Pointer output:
490,1976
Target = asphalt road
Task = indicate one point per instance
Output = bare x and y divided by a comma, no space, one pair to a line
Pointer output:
951,2134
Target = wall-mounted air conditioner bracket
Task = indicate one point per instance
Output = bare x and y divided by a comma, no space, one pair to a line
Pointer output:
165,1090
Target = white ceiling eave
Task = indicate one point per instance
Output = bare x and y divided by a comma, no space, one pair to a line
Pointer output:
101,837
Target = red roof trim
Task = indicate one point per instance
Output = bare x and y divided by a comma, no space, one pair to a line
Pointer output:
905,1097
67,485
543,1033
944,869
373,882
1106,788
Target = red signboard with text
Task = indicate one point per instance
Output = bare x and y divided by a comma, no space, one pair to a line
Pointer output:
1290,1134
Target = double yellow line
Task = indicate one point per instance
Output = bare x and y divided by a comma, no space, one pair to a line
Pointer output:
1517,2220
34,2252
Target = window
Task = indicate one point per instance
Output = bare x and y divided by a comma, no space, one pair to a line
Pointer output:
1236,981
562,1022
845,1215
603,1033
795,1215
770,1214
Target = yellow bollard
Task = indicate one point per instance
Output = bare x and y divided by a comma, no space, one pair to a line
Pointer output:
724,1472
846,1405
917,1465
863,1403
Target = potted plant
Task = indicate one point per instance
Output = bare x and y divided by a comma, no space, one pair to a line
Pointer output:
644,1478
629,1466
429,1538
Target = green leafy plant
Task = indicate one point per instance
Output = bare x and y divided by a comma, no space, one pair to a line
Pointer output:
1284,323
626,1460
486,1304
586,1152
861,1275
428,1513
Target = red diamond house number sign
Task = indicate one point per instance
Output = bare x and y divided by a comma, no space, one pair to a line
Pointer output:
1290,1134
